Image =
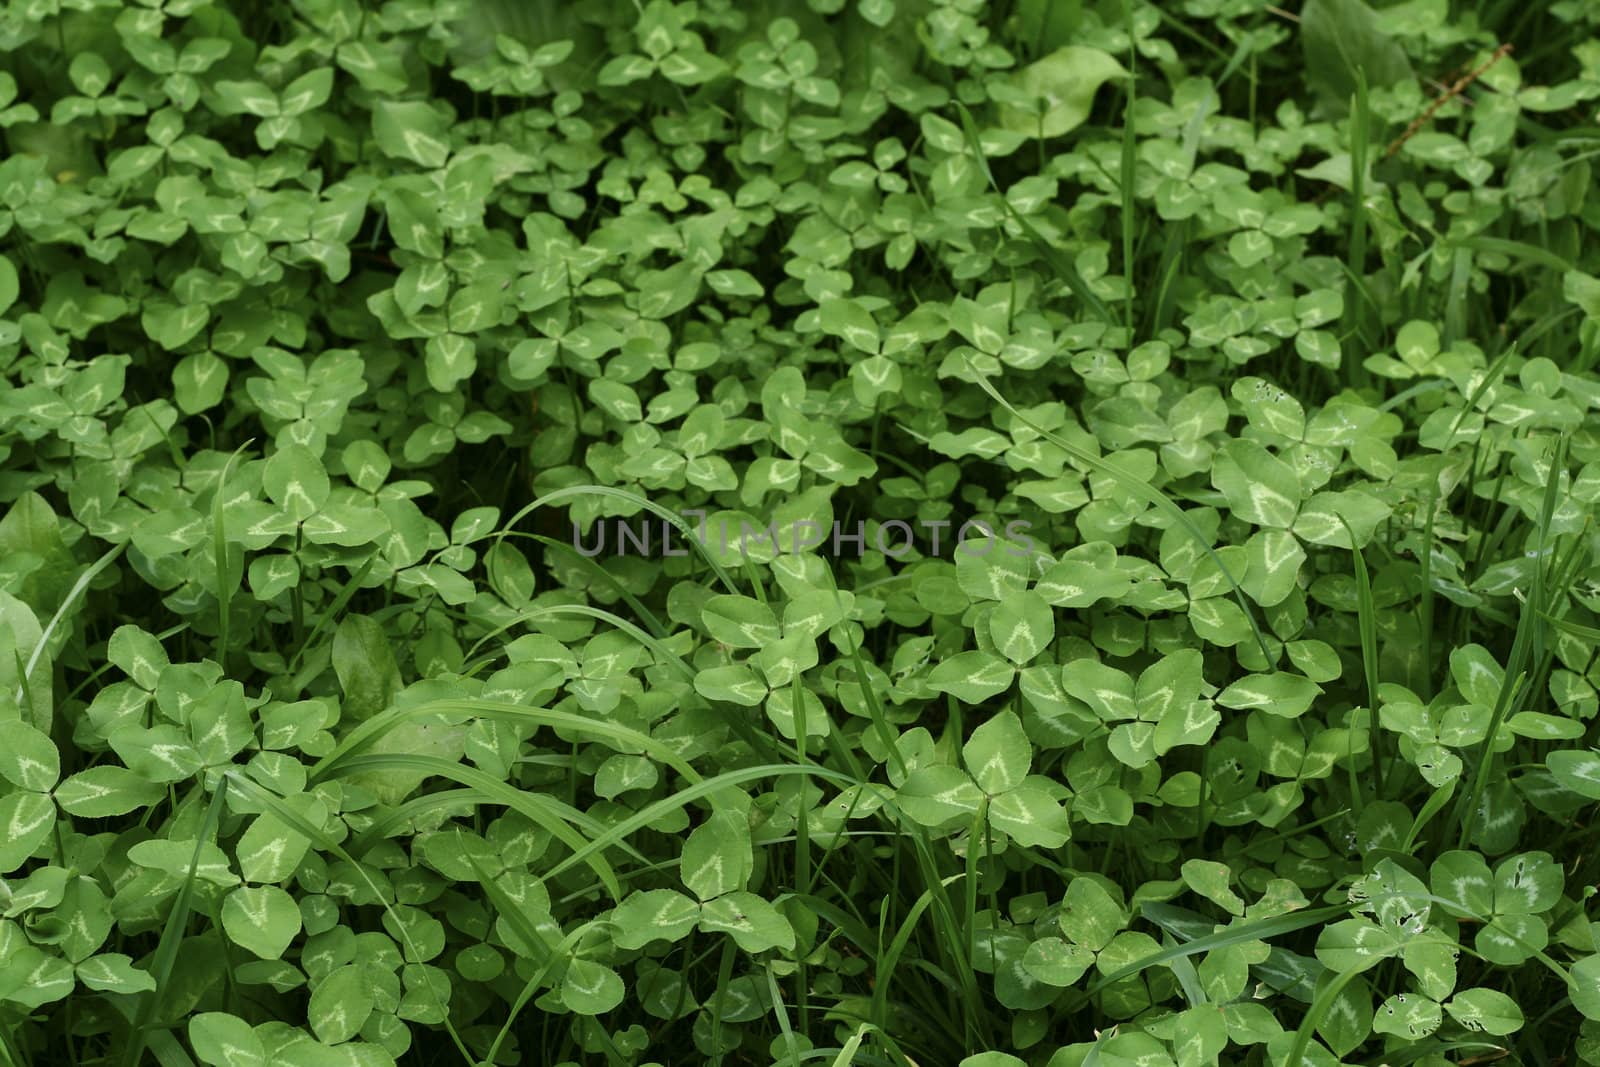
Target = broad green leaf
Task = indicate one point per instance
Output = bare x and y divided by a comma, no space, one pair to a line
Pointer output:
450,359
717,855
8,284
1210,879
1021,626
1486,1011
1319,523
306,92
1056,962
174,325
753,923
1259,487
28,758
993,1059
263,919
1527,884
224,1040
1281,693
1166,689
1357,944
735,684
1342,40
268,850
1201,1035
1030,816
972,677
107,790
740,622
28,819
1584,987
364,663
1578,771
1090,915
937,794
1273,571
1269,407
655,914
1432,959
1463,881
1347,1021
852,322
590,988
296,480
112,972
998,754
987,568
1108,691
1086,575
411,130
199,381
138,654
341,1003
1059,90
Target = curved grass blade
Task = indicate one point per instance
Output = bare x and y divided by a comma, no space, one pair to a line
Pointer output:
77,590
1314,1015
1059,262
847,1051
682,798
558,610
1576,629
335,609
1367,624
371,729
219,550
536,980
558,818
890,960
587,563
166,954
401,814
1528,635
293,819
676,521
1259,930
1492,375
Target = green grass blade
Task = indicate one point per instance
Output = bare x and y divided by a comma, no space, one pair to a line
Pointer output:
219,549
268,801
1492,375
559,819
683,798
675,521
847,1051
657,627
79,587
334,610
889,960
1367,623
1258,930
1528,634
1059,261
1315,1014
166,954
556,611
370,730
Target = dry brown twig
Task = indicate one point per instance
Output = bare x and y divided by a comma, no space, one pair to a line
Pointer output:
1460,86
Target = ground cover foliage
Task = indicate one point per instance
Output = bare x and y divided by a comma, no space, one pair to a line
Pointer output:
1259,732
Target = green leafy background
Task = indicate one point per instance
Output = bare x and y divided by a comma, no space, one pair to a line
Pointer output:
1263,337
